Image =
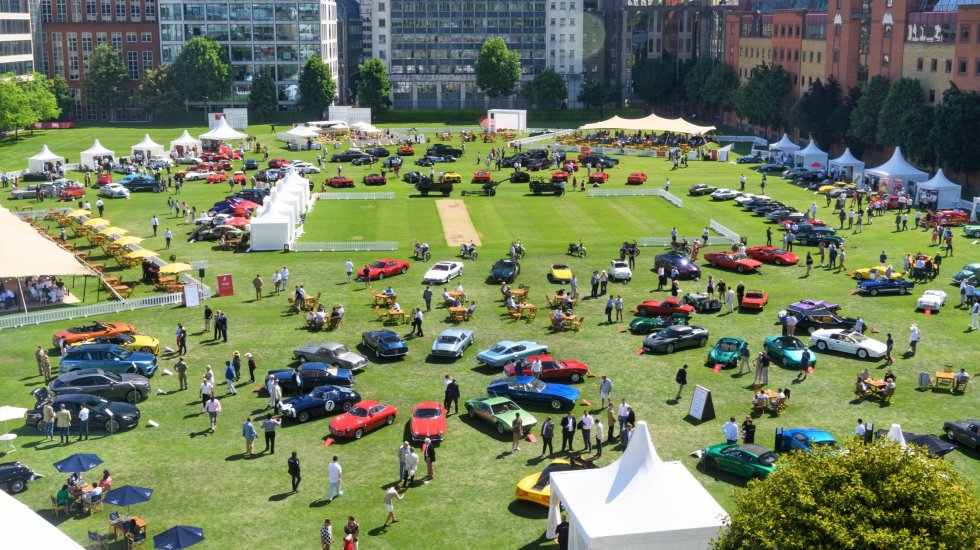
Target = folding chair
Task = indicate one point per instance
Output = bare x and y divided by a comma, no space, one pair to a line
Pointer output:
515,314
58,507
95,540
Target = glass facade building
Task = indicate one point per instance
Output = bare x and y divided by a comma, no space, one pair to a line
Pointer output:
16,51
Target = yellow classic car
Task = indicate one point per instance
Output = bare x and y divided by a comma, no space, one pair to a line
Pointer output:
451,177
132,342
872,273
560,273
536,487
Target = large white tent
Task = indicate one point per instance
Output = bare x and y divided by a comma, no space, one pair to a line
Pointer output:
939,189
811,157
223,132
897,174
24,529
185,144
271,231
784,146
847,165
637,502
148,148
650,123
94,155
299,135
45,160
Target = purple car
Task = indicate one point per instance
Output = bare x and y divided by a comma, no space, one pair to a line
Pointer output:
808,305
685,268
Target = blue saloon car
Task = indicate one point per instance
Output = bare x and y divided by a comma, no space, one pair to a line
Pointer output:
384,343
108,357
452,342
323,400
506,351
314,375
882,284
809,440
529,390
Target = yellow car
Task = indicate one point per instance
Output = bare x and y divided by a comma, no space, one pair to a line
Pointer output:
536,487
872,273
560,273
132,342
824,189
451,177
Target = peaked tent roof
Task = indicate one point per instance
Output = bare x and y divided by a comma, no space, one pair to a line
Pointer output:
651,122
812,149
939,181
147,144
785,144
97,149
223,131
303,132
614,122
899,167
185,139
28,253
847,159
46,155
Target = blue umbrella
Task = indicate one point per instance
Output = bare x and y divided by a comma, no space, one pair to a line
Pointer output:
127,495
178,537
79,462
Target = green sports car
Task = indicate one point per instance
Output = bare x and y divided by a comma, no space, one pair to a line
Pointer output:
749,460
971,231
646,325
788,351
726,352
500,412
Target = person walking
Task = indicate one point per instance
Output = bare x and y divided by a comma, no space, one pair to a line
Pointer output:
101,206
257,283
427,298
213,408
154,224
251,367
83,415
181,368
269,426
599,435
429,455
411,466
417,322
168,235
743,359
568,426
292,465
391,494
517,429
349,270
181,340
889,347
335,475
547,434
452,396
913,338
804,364
680,378
249,433
619,308
206,390
230,378
62,421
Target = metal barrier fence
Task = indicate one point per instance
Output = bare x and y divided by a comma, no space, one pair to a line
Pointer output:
662,241
755,140
541,137
354,196
39,214
637,192
350,246
67,313
728,234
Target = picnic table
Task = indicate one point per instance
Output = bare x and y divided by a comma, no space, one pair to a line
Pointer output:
457,295
382,299
397,315
519,295
458,314
946,378
528,310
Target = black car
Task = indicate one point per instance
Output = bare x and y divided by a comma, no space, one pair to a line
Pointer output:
513,160
384,343
108,385
379,152
141,183
686,269
413,177
749,159
441,149
250,164
347,156
363,160
504,271
699,189
814,234
520,177
108,415
426,186
594,160
676,337
314,374
14,477
254,195
770,167
536,164
811,320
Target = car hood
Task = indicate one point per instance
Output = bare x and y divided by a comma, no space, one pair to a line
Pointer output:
796,355
118,408
428,426
508,417
502,270
722,356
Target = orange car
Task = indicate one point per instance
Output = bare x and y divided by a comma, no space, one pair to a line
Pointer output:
559,175
406,151
239,178
636,178
95,330
755,299
218,177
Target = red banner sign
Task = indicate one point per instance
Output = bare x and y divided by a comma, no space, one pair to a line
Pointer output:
53,125
225,286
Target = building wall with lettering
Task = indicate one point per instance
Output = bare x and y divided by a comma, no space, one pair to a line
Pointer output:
930,64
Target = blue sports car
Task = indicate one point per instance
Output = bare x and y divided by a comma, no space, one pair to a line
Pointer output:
384,343
808,439
506,351
321,401
788,351
882,284
108,357
530,390
314,374
452,342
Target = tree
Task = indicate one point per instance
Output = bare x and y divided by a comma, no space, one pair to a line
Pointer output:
374,87
498,69
597,95
810,113
904,95
157,94
547,91
262,101
720,87
878,496
62,94
40,99
201,70
841,118
959,110
15,112
913,131
760,100
317,90
863,130
105,79
655,80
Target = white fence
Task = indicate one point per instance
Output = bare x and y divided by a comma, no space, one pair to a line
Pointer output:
542,137
350,246
39,214
728,234
637,192
354,196
662,241
104,308
754,140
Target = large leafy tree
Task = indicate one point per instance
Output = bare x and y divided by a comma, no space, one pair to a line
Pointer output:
105,79
904,96
597,95
655,80
878,496
720,87
863,130
262,100
40,98
374,87
547,91
201,70
317,89
157,93
62,94
959,110
761,99
15,111
914,125
498,69
814,111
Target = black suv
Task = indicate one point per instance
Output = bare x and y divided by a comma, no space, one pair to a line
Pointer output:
347,155
594,160
441,149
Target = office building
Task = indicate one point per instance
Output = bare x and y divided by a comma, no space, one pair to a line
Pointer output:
16,51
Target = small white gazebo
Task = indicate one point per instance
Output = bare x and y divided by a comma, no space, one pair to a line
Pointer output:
812,157
184,144
897,174
223,132
784,146
939,193
847,165
298,135
148,148
92,157
45,160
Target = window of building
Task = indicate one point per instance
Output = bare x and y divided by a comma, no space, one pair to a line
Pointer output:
100,38
86,42
918,64
117,41
146,37
964,33
381,7
132,60
382,39
962,67
796,55
949,66
932,96
91,11
120,11
381,23
131,37
106,10
73,70
819,56
933,64
134,11
147,60
797,30
62,15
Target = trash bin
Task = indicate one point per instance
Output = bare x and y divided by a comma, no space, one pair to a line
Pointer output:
285,247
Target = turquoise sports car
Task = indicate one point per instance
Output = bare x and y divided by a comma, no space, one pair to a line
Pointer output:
788,351
726,352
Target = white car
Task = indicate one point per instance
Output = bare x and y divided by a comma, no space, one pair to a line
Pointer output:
114,191
167,161
847,341
442,272
749,196
193,175
304,167
724,194
931,299
620,271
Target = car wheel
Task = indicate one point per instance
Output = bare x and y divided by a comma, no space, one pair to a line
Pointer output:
740,269
40,425
470,412
874,291
145,349
404,270
758,476
857,276
303,416
950,434
862,353
556,404
390,420
903,290
157,189
821,345
670,348
702,342
112,426
575,377
804,241
359,433
17,485
710,463
133,370
381,276
778,261
501,429
347,405
134,396
642,311
811,330
581,254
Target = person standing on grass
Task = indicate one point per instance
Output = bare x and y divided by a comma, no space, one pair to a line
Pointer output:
610,305
403,453
326,532
206,390
411,467
611,420
619,308
913,338
39,356
352,530
748,431
221,325
349,270
605,390
292,464
809,264
168,235
547,433
366,275
390,495
249,433
230,378
181,340
181,368
213,407
276,282
269,426
154,224
599,435
335,475
429,455
83,414
730,431
417,322
62,420
743,359
251,367
208,315
680,378
517,427
587,422
257,283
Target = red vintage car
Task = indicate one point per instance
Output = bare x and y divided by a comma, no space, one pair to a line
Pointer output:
569,165
214,156
95,330
949,217
379,269
481,177
657,308
374,179
789,223
755,299
239,178
277,162
218,177
72,190
636,178
428,421
103,178
339,182
223,165
598,177
552,370
772,255
362,418
729,260
406,151
559,175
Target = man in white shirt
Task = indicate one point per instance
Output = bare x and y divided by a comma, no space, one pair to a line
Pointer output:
536,367
349,269
511,304
336,475
605,389
730,430
587,423
860,429
622,414
83,423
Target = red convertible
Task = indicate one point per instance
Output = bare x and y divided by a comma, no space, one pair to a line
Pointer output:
772,255
218,177
552,370
374,179
755,299
598,177
636,178
730,260
277,162
379,269
95,330
559,176
657,308
362,418
481,177
428,421
339,182
949,217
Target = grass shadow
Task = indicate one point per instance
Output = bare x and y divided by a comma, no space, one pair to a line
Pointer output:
527,510
280,497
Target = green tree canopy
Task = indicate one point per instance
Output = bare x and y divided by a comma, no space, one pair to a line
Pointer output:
913,132
317,90
157,93
904,95
201,70
877,496
760,100
959,110
15,111
597,95
40,98
105,79
498,70
262,100
814,111
374,87
655,80
863,129
547,91
62,94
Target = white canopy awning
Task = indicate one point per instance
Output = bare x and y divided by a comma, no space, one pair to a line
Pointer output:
784,145
40,161
650,123
88,157
25,529
148,148
184,143
223,132
811,157
847,165
945,192
898,168
27,253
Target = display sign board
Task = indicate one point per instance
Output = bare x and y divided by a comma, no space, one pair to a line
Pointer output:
192,296
225,286
701,406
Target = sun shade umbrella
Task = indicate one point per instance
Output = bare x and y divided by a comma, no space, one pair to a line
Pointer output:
78,212
141,253
178,537
127,495
95,221
10,413
176,267
113,231
238,222
128,239
79,462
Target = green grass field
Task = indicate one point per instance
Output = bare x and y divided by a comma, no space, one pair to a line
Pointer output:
203,480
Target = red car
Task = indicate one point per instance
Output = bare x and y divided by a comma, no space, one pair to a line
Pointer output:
950,217
481,177
552,370
95,330
636,178
73,190
772,255
670,306
406,151
379,269
598,177
559,175
277,162
428,420
789,223
569,165
755,299
362,418
239,178
214,156
103,179
339,182
223,165
374,179
218,177
730,260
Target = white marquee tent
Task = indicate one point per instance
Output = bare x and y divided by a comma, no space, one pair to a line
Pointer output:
946,193
298,135
275,224
148,148
43,160
650,123
811,157
271,231
223,132
184,144
847,165
784,145
24,529
638,502
896,173
91,157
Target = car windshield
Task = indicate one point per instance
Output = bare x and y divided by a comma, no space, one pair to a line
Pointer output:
558,267
123,353
506,406
319,394
779,251
440,267
768,459
829,444
125,338
536,386
791,344
669,333
428,413
753,294
391,339
858,337
498,348
377,265
728,345
113,376
340,350
358,412
448,339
